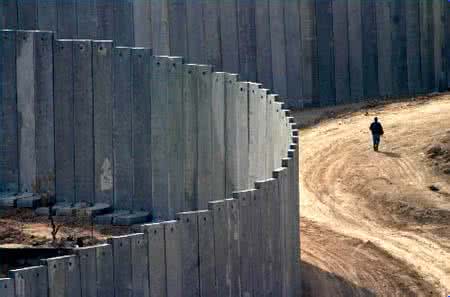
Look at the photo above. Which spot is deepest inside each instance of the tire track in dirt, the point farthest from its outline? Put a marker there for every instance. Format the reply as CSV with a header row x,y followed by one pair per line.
x,y
354,194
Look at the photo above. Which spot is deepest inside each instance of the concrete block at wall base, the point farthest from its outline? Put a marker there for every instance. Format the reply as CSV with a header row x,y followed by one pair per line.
x,y
64,210
131,218
29,202
8,201
94,210
107,219
43,211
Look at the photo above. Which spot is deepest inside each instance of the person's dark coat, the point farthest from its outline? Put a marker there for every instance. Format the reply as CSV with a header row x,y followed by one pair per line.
x,y
376,128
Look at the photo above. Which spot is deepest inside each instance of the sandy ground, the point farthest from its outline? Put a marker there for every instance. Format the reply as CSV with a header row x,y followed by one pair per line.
x,y
371,225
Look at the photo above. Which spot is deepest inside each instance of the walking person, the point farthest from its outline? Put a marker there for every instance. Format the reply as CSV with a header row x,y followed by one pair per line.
x,y
377,132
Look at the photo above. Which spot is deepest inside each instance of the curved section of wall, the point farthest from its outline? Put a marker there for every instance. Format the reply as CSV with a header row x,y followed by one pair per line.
x,y
312,53
119,125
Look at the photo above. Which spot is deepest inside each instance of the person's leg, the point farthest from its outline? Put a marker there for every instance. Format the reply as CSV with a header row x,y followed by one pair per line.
x,y
376,142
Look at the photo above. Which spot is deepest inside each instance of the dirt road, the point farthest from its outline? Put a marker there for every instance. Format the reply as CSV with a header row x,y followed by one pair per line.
x,y
371,226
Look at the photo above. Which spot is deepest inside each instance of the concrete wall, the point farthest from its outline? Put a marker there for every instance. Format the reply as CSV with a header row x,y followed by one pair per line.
x,y
145,132
310,52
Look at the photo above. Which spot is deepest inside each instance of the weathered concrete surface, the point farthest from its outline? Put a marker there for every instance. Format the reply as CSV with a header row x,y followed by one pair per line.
x,y
9,159
30,281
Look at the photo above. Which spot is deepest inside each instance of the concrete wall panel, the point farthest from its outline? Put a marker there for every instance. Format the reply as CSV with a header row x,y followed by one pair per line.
x,y
218,134
174,266
233,265
122,127
206,250
123,22
86,19
141,129
9,159
27,14
123,267
30,281
64,119
231,135
212,41
263,44
176,136
44,114
325,50
142,23
309,49
341,49
195,32
47,15
139,266
105,265
159,125
204,120
399,54
246,243
230,36
413,46
156,258
247,39
7,287
384,46
219,216
189,240
105,19
243,136
426,52
63,276
67,19
160,27
102,80
278,43
177,28
83,121
370,52
8,15
355,50
88,271
190,94
26,106
253,124
293,51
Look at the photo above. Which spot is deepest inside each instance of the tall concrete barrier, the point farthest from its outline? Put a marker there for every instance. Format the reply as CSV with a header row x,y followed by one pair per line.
x,y
83,121
176,136
355,50
300,48
26,101
325,50
384,47
204,133
150,133
102,77
9,159
141,127
8,15
64,133
218,134
7,287
31,281
122,125
63,276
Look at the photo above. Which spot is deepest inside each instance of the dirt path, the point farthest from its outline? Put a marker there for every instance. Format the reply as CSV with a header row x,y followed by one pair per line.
x,y
371,226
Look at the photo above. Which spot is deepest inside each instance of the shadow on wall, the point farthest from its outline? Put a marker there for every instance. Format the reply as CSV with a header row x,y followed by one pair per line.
x,y
318,282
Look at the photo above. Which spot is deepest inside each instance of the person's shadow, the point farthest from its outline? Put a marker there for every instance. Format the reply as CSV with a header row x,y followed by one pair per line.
x,y
390,154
